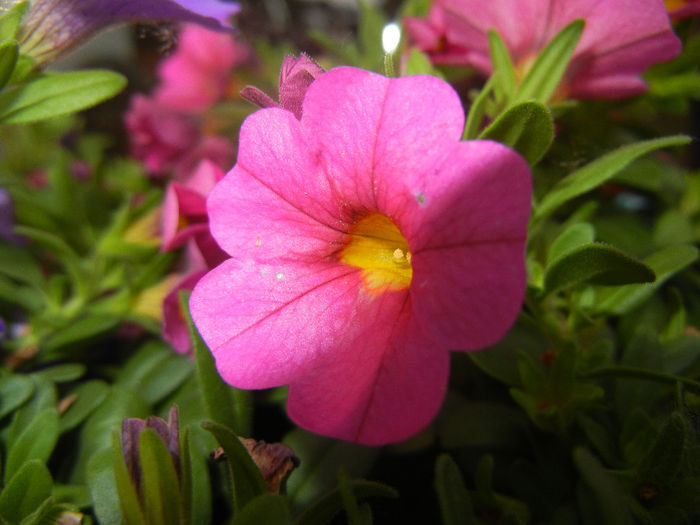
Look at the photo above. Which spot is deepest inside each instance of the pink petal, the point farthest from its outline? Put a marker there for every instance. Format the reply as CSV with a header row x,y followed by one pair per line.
x,y
467,234
175,329
379,385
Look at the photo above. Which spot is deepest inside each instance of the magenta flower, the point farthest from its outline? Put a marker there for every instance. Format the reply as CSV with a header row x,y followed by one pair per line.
x,y
296,76
167,140
52,27
366,240
683,8
198,73
622,38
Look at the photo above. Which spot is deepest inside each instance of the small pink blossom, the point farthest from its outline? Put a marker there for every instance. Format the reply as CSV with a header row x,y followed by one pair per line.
x,y
621,39
296,76
366,241
167,140
197,75
175,329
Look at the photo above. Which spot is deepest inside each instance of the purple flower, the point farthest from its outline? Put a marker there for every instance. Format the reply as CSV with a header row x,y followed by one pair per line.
x,y
54,26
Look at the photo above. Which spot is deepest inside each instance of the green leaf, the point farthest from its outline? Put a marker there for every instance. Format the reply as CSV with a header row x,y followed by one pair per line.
x,y
322,457
166,378
18,264
599,171
369,31
455,504
8,60
543,77
418,63
15,389
88,396
25,491
63,373
54,94
11,18
44,397
502,67
477,111
160,490
526,127
352,510
663,461
570,239
245,475
128,503
607,491
270,509
595,263
664,263
103,488
325,508
37,441
223,404
82,330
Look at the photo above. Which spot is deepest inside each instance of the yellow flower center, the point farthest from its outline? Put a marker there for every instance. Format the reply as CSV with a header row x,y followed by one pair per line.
x,y
379,249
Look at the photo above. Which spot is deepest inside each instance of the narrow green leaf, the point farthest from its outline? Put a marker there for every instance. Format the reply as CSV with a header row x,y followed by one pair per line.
x,y
371,24
18,264
25,491
11,18
663,461
549,67
596,263
63,373
608,493
455,503
186,481
103,488
166,378
220,402
82,330
160,490
87,397
322,510
526,127
54,94
9,54
352,510
664,263
418,63
477,111
15,389
599,171
44,397
502,67
37,441
246,478
571,238
128,504
270,509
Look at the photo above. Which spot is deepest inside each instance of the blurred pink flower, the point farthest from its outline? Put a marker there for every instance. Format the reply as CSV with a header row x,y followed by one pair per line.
x,y
167,140
366,241
52,27
296,76
198,73
682,8
175,329
622,38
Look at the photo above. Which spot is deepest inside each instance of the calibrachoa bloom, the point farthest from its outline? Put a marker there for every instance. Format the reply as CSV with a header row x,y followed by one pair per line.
x,y
52,27
198,73
366,241
622,38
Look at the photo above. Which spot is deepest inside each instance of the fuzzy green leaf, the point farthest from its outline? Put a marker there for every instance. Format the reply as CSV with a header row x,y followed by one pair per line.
x,y
570,239
8,60
477,111
455,503
269,509
54,94
128,502
502,66
15,389
88,396
246,478
63,373
599,171
543,77
102,485
664,263
37,441
160,490
25,491
526,127
11,18
331,503
595,263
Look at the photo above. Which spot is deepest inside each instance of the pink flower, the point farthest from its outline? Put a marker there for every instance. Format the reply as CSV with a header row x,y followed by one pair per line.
x,y
167,140
622,38
296,76
198,73
185,214
175,329
682,8
366,241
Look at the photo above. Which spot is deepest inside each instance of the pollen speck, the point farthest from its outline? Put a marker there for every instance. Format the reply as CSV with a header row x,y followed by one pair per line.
x,y
280,276
258,242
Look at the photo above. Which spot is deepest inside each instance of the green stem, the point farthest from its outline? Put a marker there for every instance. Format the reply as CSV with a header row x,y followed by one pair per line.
x,y
640,373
